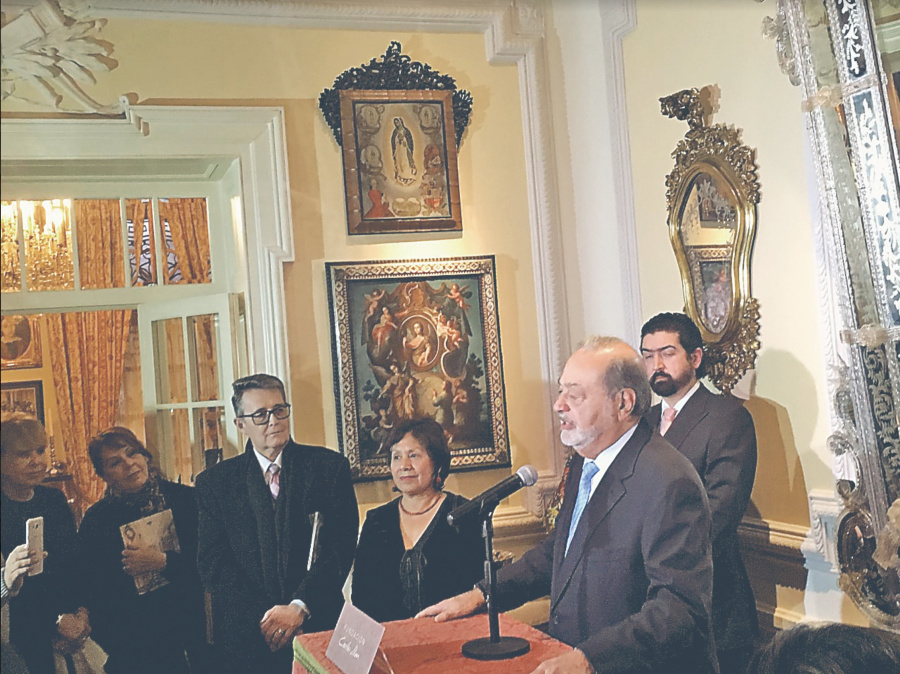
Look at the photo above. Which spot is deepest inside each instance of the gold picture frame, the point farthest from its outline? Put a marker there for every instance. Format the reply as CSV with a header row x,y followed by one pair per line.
x,y
399,154
712,195
418,339
20,342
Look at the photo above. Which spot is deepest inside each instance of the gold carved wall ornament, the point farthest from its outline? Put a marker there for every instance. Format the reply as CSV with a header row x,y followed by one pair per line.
x,y
712,194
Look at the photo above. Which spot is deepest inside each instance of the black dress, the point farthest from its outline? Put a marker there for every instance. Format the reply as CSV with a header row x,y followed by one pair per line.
x,y
392,583
146,633
34,610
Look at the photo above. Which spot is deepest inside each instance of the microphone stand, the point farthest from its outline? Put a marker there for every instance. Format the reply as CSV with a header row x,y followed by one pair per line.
x,y
493,647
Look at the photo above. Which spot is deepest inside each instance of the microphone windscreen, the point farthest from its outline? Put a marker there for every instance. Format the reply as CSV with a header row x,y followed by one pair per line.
x,y
528,475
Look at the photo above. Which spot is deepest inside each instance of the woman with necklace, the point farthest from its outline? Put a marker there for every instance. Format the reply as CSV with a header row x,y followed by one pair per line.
x,y
408,557
149,632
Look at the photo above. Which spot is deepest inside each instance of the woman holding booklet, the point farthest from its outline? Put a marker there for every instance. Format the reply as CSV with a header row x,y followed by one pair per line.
x,y
138,548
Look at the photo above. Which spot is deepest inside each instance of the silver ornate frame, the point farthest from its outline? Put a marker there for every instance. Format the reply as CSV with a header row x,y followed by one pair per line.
x,y
829,50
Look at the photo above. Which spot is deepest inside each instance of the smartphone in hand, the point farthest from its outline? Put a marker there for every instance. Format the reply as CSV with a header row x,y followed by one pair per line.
x,y
34,538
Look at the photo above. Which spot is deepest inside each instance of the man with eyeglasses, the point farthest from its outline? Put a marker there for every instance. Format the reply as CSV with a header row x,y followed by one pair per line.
x,y
256,531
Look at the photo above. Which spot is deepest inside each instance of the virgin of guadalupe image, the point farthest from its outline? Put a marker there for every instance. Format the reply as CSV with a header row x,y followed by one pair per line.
x,y
402,149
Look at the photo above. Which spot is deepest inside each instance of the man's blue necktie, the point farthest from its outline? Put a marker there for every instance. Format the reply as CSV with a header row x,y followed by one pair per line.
x,y
588,470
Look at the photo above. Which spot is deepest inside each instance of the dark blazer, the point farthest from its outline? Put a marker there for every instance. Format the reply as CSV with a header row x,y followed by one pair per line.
x,y
635,589
453,561
149,632
716,433
34,610
253,550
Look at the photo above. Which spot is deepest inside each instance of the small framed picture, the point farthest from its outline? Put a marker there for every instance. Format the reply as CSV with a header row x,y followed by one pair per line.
x,y
415,339
20,342
23,396
399,153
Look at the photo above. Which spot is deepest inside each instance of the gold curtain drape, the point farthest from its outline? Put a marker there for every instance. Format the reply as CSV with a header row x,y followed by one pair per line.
x,y
100,259
189,228
87,356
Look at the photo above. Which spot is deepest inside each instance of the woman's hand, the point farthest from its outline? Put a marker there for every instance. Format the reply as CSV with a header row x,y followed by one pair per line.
x,y
136,561
72,630
17,565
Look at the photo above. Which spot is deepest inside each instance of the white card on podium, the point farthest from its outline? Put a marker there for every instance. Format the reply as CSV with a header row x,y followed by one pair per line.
x,y
355,641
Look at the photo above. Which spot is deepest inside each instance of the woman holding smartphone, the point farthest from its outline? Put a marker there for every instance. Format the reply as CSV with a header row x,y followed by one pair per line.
x,y
44,613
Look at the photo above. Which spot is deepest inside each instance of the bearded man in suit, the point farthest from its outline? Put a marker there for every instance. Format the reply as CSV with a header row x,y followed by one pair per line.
x,y
628,566
716,433
256,534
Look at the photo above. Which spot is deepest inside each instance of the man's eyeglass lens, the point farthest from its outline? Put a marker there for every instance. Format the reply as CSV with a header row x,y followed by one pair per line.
x,y
261,417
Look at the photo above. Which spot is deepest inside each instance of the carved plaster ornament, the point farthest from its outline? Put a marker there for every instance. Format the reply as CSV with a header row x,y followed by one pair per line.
x,y
51,52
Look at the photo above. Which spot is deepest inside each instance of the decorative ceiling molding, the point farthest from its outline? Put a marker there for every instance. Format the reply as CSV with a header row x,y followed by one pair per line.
x,y
51,51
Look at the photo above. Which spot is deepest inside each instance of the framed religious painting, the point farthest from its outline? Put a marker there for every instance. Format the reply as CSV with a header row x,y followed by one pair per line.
x,y
417,339
399,155
20,342
23,396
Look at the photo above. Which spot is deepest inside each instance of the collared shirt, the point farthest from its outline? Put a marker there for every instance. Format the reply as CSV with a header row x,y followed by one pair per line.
x,y
680,404
605,458
264,464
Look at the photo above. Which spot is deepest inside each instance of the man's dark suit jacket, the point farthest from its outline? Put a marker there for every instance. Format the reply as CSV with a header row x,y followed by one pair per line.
x,y
253,550
635,589
716,433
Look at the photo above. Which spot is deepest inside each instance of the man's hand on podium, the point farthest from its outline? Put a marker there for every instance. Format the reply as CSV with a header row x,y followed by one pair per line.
x,y
280,624
573,662
455,607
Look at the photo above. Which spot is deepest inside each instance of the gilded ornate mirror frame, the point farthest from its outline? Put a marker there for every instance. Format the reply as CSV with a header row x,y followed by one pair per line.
x,y
712,194
839,53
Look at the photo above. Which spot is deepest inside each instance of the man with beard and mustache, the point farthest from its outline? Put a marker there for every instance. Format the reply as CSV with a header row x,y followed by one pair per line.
x,y
716,433
628,566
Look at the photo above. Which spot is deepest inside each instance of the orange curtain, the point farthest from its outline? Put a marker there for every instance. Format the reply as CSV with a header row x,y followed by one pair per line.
x,y
189,228
87,356
99,226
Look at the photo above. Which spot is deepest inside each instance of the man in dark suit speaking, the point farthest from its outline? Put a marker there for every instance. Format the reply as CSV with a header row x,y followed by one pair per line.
x,y
628,566
256,530
716,433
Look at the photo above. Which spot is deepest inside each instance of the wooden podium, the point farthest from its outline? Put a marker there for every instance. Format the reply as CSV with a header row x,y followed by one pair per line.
x,y
422,646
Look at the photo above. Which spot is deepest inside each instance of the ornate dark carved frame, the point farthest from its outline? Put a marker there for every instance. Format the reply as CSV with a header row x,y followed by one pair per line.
x,y
396,71
729,354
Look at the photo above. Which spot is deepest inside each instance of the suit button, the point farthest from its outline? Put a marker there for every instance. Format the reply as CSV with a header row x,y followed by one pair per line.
x,y
555,619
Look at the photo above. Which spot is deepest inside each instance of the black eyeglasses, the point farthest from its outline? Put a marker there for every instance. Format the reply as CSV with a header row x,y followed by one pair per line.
x,y
261,417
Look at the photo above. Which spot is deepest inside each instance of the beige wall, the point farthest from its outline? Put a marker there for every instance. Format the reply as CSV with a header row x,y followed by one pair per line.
x,y
684,44
681,44
196,63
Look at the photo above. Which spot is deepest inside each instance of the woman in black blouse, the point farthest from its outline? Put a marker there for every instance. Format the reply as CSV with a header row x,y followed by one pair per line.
x,y
408,557
150,632
44,602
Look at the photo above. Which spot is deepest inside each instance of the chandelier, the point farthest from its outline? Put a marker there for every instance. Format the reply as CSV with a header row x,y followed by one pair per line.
x,y
46,233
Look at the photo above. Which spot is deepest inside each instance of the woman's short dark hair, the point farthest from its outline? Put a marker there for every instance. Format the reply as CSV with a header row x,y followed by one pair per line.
x,y
430,434
117,437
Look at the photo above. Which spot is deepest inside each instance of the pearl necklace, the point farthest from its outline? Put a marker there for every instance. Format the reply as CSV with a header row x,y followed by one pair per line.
x,y
421,512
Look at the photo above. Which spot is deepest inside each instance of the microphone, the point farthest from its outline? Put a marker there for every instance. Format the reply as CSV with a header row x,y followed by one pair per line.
x,y
488,500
